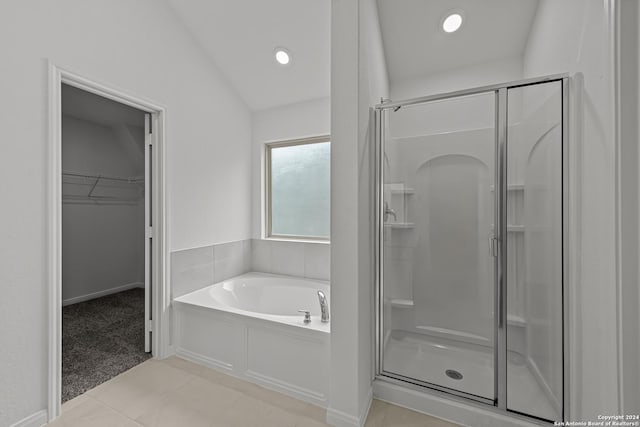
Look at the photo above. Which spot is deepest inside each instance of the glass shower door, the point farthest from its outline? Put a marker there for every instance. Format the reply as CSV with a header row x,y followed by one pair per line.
x,y
535,250
438,166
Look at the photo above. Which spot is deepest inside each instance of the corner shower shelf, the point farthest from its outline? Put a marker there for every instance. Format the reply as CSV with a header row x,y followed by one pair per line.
x,y
401,225
513,228
512,319
402,191
512,187
401,303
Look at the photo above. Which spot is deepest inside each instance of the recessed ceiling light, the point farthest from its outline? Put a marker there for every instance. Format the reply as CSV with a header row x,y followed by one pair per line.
x,y
452,23
282,56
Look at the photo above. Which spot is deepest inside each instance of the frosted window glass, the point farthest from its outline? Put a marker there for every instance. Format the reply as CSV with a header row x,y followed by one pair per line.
x,y
300,190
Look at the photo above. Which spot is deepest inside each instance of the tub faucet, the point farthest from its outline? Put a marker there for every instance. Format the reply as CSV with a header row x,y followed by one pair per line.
x,y
324,307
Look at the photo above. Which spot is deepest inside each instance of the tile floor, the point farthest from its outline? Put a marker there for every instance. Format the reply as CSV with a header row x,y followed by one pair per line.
x,y
173,392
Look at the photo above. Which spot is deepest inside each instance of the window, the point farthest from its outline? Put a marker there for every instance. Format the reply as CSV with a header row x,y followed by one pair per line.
x,y
298,188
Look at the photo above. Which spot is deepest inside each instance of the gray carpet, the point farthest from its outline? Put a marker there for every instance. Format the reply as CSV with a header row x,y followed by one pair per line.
x,y
101,338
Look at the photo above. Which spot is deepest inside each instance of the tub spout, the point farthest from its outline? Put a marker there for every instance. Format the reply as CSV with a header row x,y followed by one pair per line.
x,y
324,307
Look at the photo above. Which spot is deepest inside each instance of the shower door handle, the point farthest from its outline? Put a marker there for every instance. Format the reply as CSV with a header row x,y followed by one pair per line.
x,y
493,246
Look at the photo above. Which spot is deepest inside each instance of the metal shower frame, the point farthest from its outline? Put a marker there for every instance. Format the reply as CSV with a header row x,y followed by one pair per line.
x,y
499,402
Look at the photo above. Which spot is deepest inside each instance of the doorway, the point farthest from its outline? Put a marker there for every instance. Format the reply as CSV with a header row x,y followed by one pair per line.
x,y
105,273
107,229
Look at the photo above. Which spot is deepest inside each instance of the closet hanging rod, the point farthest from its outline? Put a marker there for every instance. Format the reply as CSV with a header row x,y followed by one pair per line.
x,y
111,178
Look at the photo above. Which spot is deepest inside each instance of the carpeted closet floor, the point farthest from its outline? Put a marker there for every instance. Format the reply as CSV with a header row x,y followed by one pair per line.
x,y
101,338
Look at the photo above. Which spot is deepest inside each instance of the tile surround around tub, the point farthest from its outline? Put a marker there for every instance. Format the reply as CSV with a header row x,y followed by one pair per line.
x,y
302,259
231,259
193,269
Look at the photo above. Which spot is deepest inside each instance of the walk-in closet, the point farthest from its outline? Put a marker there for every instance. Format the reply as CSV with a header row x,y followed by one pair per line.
x,y
103,239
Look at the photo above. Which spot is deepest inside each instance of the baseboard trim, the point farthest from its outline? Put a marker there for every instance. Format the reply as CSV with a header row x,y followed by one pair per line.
x,y
34,420
103,293
226,368
253,377
342,419
366,407
288,388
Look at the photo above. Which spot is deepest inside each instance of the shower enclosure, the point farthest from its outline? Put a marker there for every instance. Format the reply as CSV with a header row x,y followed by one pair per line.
x,y
470,223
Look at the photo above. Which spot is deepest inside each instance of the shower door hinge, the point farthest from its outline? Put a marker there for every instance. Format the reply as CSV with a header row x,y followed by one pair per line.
x,y
493,246
149,233
150,325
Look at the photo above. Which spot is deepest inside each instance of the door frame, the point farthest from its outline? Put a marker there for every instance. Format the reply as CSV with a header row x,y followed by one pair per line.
x,y
159,270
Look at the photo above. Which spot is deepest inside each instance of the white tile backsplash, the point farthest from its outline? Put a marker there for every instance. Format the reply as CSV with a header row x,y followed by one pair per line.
x,y
317,261
229,260
287,258
193,269
301,259
261,255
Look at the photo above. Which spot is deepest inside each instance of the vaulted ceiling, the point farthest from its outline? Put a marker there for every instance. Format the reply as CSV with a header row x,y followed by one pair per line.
x,y
240,36
415,44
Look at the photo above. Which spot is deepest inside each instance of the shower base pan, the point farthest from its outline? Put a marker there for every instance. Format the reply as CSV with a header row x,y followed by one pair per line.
x,y
464,367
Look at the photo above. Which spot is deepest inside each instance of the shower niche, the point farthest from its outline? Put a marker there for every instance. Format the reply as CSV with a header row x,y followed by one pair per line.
x,y
470,248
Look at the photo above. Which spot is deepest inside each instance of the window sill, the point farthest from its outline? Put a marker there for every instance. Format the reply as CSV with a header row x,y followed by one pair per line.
x,y
297,240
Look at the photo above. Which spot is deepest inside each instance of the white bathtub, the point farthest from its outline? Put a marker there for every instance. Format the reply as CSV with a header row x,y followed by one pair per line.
x,y
249,326
265,296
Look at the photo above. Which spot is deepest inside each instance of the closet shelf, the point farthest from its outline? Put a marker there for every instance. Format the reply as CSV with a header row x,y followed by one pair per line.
x,y
94,188
130,179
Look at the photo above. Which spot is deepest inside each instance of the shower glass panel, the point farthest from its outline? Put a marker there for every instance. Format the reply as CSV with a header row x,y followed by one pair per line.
x,y
438,167
534,250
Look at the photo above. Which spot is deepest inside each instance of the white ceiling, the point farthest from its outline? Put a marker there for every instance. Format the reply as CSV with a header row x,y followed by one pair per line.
x,y
240,36
415,45
97,109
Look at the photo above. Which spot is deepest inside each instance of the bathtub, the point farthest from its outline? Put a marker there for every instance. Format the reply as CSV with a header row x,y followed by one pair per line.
x,y
249,327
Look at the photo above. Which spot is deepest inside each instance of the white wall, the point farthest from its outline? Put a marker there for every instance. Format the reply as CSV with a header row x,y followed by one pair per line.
x,y
295,121
102,244
492,72
630,186
580,45
359,79
344,382
140,48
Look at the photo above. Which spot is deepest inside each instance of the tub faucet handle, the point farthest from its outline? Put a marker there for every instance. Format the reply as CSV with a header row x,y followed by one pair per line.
x,y
307,315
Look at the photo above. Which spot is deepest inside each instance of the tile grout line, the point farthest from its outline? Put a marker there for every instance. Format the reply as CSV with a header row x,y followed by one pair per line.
x,y
100,402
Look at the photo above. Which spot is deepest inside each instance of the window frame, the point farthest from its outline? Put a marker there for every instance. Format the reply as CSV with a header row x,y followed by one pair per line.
x,y
267,190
